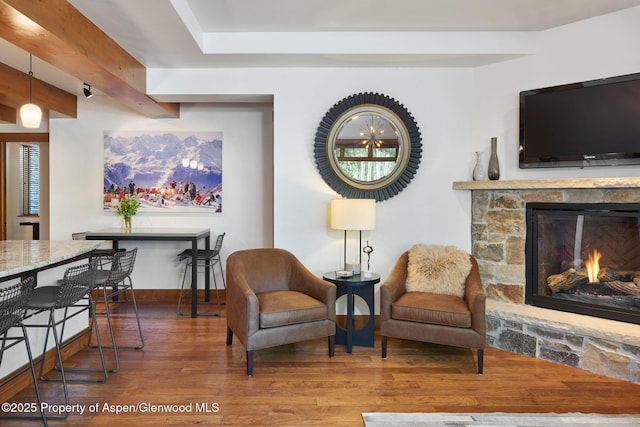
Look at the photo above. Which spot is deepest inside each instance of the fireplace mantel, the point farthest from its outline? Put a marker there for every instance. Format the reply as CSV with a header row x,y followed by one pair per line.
x,y
553,183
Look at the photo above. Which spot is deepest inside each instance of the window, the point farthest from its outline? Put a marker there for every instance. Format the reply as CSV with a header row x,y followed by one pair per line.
x,y
30,165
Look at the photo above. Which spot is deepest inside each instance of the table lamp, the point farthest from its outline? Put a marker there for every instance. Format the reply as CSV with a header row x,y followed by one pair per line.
x,y
352,215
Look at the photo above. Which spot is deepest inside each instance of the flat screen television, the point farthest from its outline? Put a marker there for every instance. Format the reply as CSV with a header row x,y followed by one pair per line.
x,y
592,123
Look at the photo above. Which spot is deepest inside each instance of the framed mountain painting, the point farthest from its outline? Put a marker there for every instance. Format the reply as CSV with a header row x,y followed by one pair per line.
x,y
165,171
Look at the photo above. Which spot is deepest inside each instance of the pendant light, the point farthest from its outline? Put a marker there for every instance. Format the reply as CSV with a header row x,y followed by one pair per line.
x,y
30,113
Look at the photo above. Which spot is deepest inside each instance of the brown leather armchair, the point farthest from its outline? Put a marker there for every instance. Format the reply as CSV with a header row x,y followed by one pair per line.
x,y
272,300
430,317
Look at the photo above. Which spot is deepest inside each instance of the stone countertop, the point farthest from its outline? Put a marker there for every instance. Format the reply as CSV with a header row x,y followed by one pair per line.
x,y
18,256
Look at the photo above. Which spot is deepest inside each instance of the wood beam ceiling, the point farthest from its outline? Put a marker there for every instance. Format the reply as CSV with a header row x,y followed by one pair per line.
x,y
59,34
7,114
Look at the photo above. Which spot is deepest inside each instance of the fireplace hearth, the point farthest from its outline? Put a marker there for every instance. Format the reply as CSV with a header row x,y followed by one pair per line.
x,y
584,258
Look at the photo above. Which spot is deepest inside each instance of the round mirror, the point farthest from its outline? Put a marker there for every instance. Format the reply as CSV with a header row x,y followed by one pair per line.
x,y
368,146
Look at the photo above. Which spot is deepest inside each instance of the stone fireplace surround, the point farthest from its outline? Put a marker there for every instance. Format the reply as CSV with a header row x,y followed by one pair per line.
x,y
498,228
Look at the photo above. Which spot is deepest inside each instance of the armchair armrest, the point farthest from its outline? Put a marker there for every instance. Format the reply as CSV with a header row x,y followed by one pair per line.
x,y
475,297
243,307
394,286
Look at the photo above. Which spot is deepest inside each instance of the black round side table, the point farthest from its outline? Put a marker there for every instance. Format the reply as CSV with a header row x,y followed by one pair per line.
x,y
364,288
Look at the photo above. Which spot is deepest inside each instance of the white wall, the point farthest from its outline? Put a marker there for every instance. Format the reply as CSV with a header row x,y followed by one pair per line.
x,y
592,49
426,211
457,110
76,151
76,185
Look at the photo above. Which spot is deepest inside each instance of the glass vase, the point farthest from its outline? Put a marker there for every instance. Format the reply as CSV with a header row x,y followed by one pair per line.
x,y
127,223
479,170
494,166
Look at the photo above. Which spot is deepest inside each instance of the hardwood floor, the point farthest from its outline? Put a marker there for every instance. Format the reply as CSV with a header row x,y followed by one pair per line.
x,y
186,362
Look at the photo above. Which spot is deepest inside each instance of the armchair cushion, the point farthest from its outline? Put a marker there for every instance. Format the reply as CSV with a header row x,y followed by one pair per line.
x,y
437,269
424,307
280,308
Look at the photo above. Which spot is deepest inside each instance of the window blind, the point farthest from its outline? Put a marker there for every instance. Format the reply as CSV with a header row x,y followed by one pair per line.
x,y
30,164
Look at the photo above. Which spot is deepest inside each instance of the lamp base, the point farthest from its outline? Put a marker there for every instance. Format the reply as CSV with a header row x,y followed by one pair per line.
x,y
344,273
353,267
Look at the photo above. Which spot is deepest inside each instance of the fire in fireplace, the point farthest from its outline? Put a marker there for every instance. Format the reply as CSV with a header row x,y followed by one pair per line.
x,y
584,258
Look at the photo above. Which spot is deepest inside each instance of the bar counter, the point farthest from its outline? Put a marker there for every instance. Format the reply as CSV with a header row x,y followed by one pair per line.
x,y
20,258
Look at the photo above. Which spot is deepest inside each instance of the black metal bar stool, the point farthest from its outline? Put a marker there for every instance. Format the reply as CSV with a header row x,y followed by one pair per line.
x,y
103,255
73,294
113,283
13,310
207,258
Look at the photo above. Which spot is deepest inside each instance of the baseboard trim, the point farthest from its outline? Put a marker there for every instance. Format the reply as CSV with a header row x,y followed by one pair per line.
x,y
16,381
170,296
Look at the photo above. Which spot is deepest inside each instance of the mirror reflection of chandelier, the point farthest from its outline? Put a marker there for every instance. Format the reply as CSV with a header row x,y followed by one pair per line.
x,y
372,133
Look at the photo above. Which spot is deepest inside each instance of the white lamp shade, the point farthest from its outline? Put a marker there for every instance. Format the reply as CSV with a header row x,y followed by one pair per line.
x,y
31,115
193,164
185,162
352,214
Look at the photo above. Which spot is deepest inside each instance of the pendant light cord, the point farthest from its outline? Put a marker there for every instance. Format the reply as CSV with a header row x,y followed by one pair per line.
x,y
30,78
30,113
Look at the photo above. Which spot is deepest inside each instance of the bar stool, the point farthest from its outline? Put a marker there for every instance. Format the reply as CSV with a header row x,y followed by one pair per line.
x,y
73,293
104,256
206,258
13,310
113,283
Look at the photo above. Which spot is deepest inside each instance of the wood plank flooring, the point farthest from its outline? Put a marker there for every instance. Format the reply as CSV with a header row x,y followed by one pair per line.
x,y
186,362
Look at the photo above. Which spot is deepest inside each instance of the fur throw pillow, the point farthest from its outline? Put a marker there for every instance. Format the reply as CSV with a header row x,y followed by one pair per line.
x,y
437,269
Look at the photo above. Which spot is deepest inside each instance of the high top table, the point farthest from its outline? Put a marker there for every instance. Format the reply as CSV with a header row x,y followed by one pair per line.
x,y
24,258
193,235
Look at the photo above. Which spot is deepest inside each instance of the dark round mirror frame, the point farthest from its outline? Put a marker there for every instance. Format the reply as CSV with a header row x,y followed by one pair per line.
x,y
384,188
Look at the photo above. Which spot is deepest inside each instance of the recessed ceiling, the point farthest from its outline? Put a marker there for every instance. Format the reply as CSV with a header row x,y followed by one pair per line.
x,y
314,33
318,33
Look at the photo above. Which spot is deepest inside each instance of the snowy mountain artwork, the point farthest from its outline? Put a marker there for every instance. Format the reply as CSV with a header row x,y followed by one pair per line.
x,y
176,171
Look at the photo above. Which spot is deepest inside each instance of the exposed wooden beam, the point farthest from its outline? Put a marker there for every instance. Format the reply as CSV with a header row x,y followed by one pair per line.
x,y
7,114
14,92
25,137
59,34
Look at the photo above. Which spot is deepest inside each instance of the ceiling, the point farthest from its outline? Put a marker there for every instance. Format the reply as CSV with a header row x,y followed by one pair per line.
x,y
232,33
294,33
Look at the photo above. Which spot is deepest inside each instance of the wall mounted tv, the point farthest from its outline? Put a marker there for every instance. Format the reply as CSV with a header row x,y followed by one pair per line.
x,y
592,123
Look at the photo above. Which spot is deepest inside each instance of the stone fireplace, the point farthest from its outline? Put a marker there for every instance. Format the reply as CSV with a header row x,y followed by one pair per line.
x,y
581,339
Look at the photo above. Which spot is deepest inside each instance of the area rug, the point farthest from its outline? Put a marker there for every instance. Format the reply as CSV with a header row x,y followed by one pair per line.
x,y
398,419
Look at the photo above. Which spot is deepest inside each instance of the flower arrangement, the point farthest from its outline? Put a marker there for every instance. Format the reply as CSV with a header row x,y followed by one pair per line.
x,y
127,208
